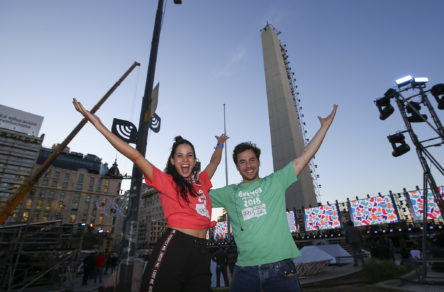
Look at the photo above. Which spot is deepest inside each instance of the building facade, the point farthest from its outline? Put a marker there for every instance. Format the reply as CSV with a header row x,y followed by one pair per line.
x,y
18,155
19,149
152,223
287,139
76,190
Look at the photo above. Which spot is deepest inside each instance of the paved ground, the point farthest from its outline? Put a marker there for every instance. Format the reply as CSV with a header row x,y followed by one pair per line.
x,y
333,278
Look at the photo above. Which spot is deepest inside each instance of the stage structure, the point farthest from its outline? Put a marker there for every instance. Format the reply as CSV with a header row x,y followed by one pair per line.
x,y
410,110
286,125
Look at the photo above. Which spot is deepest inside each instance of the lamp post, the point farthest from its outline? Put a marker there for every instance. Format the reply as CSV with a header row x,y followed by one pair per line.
x,y
128,250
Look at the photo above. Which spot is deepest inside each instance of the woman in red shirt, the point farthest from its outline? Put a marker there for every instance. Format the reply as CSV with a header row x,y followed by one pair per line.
x,y
180,261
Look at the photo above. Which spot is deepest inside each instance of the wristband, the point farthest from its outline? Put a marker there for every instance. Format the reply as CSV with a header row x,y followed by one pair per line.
x,y
219,145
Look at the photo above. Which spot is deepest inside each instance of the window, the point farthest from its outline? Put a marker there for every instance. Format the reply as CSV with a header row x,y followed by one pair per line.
x,y
66,176
54,183
48,206
79,187
45,182
76,197
86,206
72,218
75,206
42,193
28,204
57,174
91,180
25,216
90,188
65,185
62,196
101,219
51,195
88,198
80,178
39,204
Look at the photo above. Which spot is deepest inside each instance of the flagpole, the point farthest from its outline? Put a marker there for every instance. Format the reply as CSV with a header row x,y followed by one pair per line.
x,y
226,177
226,165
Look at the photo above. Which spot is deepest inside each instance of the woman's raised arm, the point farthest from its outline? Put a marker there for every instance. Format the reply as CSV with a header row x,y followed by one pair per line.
x,y
142,163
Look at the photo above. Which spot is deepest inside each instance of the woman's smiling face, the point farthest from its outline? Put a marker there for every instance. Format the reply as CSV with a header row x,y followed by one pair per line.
x,y
184,160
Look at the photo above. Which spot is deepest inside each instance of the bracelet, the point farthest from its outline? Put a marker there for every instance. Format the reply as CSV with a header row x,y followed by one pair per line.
x,y
220,145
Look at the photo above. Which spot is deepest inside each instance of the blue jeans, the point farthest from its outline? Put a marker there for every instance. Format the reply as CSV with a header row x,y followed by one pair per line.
x,y
275,277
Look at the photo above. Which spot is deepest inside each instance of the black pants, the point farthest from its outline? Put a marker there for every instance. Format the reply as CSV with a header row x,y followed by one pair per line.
x,y
179,262
221,269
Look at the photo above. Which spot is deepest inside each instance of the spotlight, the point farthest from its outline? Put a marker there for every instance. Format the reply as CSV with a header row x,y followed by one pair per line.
x,y
413,108
404,81
402,148
384,107
438,92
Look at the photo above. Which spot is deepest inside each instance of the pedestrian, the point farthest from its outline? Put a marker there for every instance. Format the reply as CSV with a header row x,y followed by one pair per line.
x,y
231,259
180,261
353,238
89,265
220,258
256,208
100,267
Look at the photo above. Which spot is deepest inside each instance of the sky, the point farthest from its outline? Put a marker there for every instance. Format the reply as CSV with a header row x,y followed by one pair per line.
x,y
341,52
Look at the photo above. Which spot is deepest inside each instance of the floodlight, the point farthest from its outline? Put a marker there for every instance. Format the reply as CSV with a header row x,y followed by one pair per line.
x,y
398,138
438,92
413,108
419,81
404,81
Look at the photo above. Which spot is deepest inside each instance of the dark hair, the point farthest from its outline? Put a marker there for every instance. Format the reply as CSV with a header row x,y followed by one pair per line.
x,y
246,146
183,186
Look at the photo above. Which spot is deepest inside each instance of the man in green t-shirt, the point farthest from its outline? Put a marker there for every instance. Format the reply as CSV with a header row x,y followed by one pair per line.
x,y
256,208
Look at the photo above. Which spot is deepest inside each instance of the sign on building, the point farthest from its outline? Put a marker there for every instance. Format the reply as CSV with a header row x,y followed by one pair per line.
x,y
20,121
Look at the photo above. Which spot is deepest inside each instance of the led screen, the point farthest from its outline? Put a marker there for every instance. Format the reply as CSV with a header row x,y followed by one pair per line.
x,y
291,221
373,211
417,205
322,217
221,230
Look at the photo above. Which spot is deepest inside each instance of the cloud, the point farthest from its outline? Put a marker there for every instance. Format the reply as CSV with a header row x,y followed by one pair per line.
x,y
233,63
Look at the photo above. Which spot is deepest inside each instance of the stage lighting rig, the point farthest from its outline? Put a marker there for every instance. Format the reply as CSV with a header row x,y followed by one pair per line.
x,y
408,106
438,92
400,149
404,81
413,108
383,104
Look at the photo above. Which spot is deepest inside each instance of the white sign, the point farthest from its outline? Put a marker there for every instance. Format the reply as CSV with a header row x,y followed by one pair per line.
x,y
20,121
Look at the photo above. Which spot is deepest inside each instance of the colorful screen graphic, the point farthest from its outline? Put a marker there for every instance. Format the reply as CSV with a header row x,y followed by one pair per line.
x,y
221,230
291,221
373,211
322,217
417,204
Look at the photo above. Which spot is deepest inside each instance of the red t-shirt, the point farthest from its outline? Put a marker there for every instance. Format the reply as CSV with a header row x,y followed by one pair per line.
x,y
100,261
177,212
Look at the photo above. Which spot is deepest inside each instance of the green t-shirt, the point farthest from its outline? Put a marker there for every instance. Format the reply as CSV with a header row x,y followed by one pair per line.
x,y
257,215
